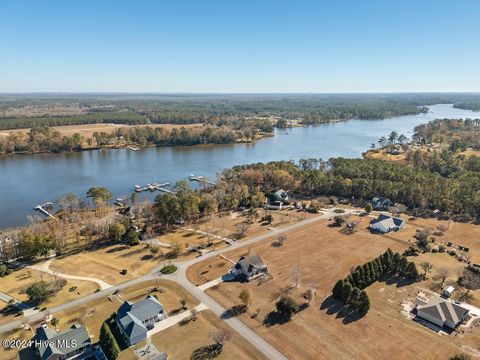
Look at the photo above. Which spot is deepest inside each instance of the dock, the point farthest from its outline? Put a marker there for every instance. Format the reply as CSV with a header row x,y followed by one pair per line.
x,y
200,179
152,187
42,209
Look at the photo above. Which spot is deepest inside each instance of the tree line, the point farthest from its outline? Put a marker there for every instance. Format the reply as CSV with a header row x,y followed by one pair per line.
x,y
351,289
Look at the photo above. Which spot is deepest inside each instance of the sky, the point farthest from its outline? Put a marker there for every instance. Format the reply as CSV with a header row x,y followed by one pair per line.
x,y
239,46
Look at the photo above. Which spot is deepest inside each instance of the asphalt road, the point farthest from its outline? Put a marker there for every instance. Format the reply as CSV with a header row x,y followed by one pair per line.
x,y
180,277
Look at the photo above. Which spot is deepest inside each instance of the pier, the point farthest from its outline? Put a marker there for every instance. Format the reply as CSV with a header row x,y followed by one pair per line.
x,y
200,179
153,187
42,209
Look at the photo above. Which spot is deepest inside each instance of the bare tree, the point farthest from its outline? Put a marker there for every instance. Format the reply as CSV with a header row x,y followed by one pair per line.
x,y
310,294
220,336
470,280
426,266
242,229
443,275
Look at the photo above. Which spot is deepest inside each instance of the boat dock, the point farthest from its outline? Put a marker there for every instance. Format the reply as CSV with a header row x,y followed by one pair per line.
x,y
42,209
200,179
152,187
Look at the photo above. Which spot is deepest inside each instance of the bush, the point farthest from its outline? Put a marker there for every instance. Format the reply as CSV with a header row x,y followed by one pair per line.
x,y
287,306
169,269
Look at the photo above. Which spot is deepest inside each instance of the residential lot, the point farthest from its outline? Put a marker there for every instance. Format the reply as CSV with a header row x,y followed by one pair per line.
x,y
196,334
317,256
93,314
107,263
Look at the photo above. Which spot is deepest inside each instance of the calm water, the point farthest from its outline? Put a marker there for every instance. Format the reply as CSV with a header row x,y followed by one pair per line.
x,y
28,180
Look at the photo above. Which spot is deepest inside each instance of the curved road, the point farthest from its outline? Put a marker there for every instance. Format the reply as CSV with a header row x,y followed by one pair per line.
x,y
180,277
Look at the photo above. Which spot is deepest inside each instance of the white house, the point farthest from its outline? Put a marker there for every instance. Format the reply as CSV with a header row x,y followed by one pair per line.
x,y
442,312
386,223
249,268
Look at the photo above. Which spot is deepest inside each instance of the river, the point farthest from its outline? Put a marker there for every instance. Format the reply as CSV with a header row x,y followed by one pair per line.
x,y
28,180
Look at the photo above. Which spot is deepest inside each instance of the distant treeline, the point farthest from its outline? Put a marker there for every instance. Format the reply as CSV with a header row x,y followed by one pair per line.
x,y
219,110
124,117
44,139
474,106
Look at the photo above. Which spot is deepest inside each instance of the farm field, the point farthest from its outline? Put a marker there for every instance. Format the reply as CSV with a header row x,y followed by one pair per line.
x,y
319,255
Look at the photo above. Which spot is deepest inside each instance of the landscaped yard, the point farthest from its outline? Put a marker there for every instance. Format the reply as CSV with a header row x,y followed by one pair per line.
x,y
319,255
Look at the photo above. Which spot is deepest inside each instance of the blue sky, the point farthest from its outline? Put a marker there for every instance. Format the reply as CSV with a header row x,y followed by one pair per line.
x,y
239,46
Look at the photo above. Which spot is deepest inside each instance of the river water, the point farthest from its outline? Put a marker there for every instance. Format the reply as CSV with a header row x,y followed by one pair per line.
x,y
28,180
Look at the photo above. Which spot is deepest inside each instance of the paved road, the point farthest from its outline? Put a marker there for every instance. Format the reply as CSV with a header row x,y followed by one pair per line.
x,y
180,277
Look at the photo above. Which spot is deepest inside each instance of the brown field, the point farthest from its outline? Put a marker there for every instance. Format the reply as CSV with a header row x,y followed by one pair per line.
x,y
323,255
197,334
107,263
226,224
16,283
87,130
383,155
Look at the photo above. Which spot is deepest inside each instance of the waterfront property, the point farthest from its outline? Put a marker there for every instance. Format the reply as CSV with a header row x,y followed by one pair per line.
x,y
249,268
386,223
442,312
135,319
51,345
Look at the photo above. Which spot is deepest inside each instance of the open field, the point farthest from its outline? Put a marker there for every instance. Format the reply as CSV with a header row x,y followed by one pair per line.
x,y
321,255
87,130
17,282
107,262
226,225
197,334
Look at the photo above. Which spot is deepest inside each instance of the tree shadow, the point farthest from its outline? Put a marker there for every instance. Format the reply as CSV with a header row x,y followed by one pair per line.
x,y
275,318
335,307
207,352
234,311
396,280
147,257
117,249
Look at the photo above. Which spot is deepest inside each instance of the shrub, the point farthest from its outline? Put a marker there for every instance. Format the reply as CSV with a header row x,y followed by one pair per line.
x,y
287,306
169,269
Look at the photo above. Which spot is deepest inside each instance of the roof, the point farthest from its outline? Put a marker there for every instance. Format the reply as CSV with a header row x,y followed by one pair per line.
x,y
450,289
388,221
132,315
252,261
444,310
62,343
141,310
132,326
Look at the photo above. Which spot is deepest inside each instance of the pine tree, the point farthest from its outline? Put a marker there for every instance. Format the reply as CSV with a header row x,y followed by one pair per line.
x,y
354,296
411,271
337,290
346,292
363,303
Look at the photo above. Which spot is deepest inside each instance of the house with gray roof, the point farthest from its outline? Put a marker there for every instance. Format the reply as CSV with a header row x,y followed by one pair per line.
x,y
249,268
52,345
382,203
442,312
386,223
135,319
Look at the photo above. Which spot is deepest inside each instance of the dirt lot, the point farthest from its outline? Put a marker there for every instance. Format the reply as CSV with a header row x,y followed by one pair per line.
x,y
107,263
321,255
197,334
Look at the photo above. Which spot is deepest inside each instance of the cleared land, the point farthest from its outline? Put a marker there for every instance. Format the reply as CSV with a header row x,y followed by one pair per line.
x,y
321,255
107,262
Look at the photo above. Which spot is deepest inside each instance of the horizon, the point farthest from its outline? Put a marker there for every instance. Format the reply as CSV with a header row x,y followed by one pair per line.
x,y
239,48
